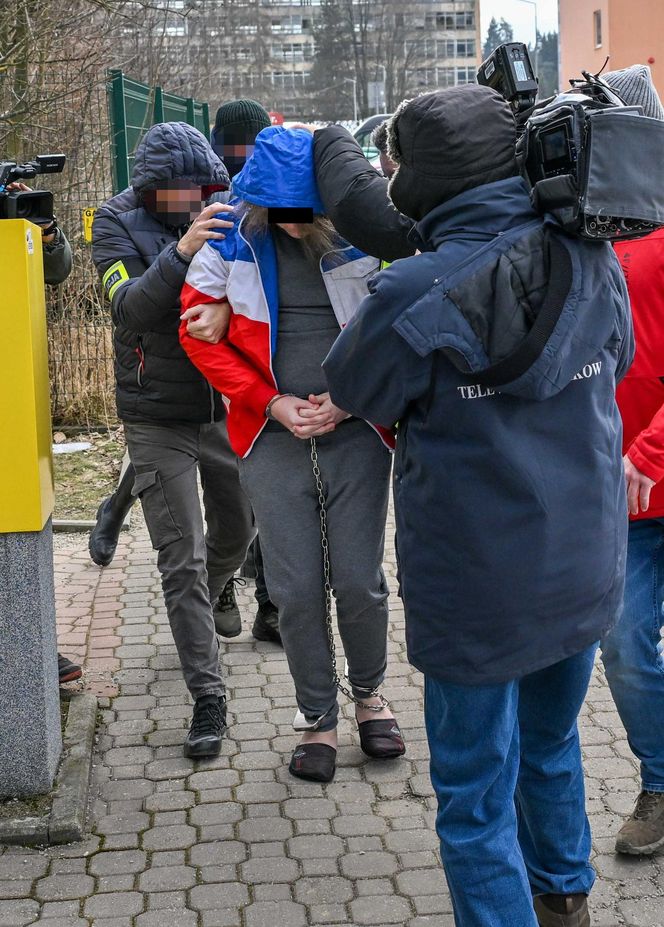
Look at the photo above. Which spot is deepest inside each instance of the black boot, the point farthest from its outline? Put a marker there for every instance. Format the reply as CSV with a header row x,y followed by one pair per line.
x,y
110,515
208,726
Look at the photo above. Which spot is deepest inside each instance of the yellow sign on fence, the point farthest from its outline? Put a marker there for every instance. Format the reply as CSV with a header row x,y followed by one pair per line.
x,y
88,216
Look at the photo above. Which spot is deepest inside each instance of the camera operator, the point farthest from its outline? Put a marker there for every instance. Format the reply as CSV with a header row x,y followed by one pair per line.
x,y
57,267
55,247
498,353
632,651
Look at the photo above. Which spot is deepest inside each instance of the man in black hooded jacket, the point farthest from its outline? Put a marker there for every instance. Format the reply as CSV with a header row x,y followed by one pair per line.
x,y
143,241
497,350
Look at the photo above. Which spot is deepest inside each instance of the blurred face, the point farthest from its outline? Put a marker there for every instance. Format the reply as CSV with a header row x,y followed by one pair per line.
x,y
295,229
234,146
177,202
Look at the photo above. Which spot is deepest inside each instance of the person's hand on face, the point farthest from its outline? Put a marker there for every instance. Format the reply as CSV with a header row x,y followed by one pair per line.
x,y
205,227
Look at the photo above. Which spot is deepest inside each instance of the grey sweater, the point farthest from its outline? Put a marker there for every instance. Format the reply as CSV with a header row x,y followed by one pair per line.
x,y
307,325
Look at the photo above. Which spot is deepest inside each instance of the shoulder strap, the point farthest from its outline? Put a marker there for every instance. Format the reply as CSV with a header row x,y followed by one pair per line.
x,y
523,358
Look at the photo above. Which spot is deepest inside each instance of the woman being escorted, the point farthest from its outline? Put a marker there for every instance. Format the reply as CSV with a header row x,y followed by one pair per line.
x,y
291,284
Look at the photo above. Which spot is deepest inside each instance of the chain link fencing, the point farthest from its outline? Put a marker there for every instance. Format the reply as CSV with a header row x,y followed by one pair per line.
x,y
97,125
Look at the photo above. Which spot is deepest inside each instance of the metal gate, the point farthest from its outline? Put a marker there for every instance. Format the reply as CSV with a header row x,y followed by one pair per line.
x,y
133,108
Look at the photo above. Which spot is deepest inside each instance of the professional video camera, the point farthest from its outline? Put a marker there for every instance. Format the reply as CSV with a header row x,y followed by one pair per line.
x,y
35,206
591,161
508,70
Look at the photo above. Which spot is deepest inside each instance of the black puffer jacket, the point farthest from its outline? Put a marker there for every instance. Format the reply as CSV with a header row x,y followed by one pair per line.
x,y
355,197
143,275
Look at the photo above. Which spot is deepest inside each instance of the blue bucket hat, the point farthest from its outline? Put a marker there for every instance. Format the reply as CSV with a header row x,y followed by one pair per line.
x,y
280,172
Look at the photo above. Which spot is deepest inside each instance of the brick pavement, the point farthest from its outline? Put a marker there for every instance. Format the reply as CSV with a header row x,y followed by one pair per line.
x,y
237,842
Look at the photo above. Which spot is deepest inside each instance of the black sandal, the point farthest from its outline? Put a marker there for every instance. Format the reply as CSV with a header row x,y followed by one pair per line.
x,y
316,762
381,738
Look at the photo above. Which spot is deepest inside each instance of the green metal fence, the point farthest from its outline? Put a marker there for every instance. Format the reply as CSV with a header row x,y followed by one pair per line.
x,y
133,108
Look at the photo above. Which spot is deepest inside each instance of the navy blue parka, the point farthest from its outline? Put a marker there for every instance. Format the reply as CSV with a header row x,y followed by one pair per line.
x,y
498,351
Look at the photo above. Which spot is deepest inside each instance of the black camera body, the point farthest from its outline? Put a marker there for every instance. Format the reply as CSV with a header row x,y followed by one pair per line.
x,y
596,165
592,162
35,206
509,70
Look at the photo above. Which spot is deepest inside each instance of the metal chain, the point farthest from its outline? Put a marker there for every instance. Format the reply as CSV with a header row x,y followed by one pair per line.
x,y
327,585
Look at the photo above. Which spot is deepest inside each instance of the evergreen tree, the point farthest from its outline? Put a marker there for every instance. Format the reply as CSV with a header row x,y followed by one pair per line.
x,y
547,64
497,34
331,95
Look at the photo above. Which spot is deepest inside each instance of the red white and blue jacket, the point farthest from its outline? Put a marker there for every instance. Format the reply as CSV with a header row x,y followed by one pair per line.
x,y
240,366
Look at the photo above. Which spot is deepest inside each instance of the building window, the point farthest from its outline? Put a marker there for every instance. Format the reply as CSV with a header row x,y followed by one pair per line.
x,y
466,75
457,48
597,28
446,77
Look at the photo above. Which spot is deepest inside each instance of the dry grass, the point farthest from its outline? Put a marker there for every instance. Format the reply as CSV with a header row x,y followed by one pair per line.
x,y
84,478
81,349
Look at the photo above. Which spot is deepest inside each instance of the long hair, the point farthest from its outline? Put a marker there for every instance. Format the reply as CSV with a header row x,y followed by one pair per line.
x,y
319,237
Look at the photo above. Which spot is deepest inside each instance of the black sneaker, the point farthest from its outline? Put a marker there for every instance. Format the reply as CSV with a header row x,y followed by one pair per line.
x,y
266,625
227,620
67,670
208,726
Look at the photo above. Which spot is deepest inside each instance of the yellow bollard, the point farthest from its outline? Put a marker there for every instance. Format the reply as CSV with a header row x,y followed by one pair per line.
x,y
26,468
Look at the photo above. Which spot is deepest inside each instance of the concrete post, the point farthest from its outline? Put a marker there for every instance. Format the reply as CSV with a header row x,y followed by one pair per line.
x,y
30,735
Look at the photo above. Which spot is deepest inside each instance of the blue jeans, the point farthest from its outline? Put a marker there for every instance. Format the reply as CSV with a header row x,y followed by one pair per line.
x,y
632,651
506,768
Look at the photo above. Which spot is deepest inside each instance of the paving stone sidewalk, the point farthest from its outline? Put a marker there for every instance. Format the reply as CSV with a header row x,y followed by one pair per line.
x,y
237,842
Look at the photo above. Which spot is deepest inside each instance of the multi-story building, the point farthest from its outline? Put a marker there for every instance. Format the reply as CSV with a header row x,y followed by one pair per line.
x,y
625,31
360,55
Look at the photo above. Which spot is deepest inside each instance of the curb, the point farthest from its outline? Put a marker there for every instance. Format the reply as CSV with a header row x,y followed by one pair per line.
x,y
66,821
67,818
73,525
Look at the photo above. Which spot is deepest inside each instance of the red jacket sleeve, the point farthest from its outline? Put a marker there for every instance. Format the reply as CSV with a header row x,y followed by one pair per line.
x,y
226,368
647,450
228,371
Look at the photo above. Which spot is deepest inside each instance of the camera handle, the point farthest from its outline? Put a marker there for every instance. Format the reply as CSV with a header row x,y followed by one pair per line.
x,y
328,589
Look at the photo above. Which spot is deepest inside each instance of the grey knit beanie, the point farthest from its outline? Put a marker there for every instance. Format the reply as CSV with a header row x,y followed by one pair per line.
x,y
634,86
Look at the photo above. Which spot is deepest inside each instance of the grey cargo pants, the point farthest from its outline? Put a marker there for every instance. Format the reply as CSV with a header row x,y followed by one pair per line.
x,y
194,566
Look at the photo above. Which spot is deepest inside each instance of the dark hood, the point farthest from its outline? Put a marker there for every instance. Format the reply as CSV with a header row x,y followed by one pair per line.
x,y
447,142
176,151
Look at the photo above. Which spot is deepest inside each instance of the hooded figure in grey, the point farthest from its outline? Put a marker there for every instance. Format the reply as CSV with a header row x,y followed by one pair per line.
x,y
174,421
155,379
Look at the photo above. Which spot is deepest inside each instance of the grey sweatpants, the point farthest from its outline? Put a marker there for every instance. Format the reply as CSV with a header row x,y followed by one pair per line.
x,y
166,459
277,476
